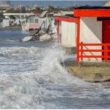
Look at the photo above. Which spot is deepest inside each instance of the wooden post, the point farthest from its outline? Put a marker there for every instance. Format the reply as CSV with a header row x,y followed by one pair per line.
x,y
58,36
105,53
78,40
81,51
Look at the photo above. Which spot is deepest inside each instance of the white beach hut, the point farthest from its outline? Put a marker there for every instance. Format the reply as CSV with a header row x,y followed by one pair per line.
x,y
66,31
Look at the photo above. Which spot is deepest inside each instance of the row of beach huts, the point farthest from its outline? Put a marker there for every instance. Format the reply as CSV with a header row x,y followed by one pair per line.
x,y
29,21
85,30
88,31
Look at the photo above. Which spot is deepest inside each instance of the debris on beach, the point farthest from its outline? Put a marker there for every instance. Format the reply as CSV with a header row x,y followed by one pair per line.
x,y
27,38
45,37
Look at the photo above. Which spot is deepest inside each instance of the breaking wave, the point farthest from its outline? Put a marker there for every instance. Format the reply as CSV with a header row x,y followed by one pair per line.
x,y
32,77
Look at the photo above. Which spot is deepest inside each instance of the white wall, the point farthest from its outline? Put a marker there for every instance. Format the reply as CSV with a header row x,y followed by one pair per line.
x,y
91,32
68,34
5,23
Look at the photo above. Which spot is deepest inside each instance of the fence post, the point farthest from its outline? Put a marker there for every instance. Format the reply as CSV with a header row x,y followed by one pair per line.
x,y
81,51
58,36
106,53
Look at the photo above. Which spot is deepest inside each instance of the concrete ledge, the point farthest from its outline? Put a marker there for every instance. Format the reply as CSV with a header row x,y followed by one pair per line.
x,y
92,72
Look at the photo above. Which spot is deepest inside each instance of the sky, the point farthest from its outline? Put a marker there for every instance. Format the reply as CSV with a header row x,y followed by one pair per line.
x,y
58,3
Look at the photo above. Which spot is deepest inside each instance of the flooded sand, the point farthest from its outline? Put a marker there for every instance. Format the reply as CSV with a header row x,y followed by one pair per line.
x,y
31,77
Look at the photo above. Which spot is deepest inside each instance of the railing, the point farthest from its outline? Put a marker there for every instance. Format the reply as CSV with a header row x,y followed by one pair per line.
x,y
104,50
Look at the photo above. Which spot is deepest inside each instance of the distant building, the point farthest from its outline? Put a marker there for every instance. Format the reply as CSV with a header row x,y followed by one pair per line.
x,y
107,3
4,4
6,22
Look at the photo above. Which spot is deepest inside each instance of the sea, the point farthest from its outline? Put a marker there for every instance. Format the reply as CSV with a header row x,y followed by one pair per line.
x,y
31,77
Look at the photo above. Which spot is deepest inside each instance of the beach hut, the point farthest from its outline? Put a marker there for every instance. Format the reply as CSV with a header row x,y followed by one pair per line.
x,y
88,31
92,41
93,34
31,23
66,31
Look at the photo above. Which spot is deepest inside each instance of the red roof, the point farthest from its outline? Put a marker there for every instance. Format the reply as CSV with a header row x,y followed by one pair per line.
x,y
92,12
66,19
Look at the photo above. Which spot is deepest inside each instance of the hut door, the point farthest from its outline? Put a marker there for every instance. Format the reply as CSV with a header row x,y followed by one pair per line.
x,y
106,32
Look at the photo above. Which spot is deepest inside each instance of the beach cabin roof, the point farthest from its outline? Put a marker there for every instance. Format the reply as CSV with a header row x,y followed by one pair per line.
x,y
92,12
68,19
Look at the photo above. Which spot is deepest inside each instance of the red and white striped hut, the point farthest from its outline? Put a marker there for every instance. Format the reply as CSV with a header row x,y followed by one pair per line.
x,y
91,34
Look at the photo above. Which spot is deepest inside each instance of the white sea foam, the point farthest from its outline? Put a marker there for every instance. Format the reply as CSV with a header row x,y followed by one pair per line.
x,y
32,77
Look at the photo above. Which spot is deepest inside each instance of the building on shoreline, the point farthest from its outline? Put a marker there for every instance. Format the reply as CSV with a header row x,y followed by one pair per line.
x,y
4,5
92,33
66,31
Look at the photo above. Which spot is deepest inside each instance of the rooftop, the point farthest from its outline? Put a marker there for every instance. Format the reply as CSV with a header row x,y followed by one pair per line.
x,y
93,7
